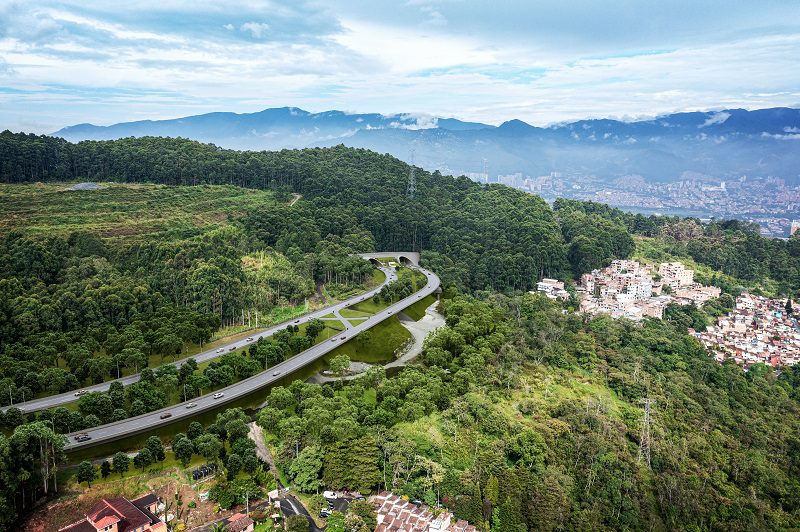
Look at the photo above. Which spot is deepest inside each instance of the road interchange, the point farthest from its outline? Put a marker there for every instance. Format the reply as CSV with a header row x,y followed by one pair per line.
x,y
181,411
53,401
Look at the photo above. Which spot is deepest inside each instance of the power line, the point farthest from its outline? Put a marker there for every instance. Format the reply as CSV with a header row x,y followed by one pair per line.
x,y
644,438
411,189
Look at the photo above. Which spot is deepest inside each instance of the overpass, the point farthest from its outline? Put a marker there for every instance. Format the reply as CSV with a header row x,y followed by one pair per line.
x,y
182,411
407,258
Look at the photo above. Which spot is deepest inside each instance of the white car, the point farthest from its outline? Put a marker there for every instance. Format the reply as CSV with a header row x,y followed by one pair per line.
x,y
81,392
191,405
220,350
276,373
249,338
218,395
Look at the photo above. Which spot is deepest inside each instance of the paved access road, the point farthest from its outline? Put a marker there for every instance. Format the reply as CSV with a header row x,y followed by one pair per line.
x,y
145,422
53,401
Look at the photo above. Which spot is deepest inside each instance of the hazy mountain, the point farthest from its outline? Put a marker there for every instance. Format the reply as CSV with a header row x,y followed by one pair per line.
x,y
284,127
721,144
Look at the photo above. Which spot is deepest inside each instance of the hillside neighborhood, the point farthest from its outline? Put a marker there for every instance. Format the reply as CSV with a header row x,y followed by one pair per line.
x,y
628,289
758,329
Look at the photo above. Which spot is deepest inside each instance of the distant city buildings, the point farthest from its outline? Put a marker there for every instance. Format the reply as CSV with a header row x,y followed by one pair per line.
x,y
758,329
626,289
765,200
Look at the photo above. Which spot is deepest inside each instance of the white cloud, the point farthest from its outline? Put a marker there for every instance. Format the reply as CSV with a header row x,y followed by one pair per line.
x,y
792,136
716,118
257,29
378,65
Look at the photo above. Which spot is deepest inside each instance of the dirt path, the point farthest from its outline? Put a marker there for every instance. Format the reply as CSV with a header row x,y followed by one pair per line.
x,y
262,450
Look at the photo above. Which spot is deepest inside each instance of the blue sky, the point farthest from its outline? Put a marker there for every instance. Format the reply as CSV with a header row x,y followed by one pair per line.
x,y
68,62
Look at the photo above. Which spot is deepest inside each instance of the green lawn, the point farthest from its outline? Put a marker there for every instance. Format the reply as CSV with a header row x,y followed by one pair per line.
x,y
417,311
350,313
375,345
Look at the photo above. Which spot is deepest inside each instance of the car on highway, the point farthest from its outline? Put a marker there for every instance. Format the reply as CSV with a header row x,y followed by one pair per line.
x,y
233,348
220,350
82,437
191,405
344,337
166,415
218,395
276,373
333,339
249,338
297,321
81,392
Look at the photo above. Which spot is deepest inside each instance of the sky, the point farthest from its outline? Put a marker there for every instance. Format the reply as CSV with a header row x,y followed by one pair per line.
x,y
544,62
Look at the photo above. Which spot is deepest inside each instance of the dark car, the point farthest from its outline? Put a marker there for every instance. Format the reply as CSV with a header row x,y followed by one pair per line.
x,y
166,415
83,437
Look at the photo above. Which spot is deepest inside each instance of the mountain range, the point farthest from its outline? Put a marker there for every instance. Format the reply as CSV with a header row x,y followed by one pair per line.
x,y
710,145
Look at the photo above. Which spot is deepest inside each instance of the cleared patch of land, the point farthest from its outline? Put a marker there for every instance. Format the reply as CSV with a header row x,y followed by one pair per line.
x,y
136,211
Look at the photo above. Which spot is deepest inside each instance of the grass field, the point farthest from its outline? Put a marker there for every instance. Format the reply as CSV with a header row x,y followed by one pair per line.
x,y
417,311
375,345
124,210
350,313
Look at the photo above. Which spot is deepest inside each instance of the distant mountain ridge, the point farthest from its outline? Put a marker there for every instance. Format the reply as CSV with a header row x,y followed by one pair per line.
x,y
717,144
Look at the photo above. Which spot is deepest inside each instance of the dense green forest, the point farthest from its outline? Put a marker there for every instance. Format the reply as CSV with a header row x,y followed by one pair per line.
x,y
518,416
536,425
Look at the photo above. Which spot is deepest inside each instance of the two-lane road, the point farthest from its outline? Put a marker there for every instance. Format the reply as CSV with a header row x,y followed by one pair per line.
x,y
53,401
149,421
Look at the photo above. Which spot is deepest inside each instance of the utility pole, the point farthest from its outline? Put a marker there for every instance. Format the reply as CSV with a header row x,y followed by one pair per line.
x,y
411,189
644,438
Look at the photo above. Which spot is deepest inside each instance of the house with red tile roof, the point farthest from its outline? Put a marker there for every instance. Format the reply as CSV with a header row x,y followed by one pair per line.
x,y
238,523
118,514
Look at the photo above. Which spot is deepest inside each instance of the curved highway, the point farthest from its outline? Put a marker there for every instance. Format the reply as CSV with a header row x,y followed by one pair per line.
x,y
52,401
145,422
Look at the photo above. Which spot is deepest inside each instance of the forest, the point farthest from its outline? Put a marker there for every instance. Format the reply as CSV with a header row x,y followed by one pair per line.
x,y
518,416
536,425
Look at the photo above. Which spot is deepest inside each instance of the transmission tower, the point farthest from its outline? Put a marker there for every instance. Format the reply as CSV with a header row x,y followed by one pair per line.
x,y
644,438
411,189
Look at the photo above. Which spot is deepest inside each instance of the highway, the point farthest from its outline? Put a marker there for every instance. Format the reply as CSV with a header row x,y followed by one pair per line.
x,y
145,422
53,401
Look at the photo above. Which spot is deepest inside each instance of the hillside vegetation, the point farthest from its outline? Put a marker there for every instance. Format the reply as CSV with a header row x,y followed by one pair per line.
x,y
125,210
536,425
518,417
